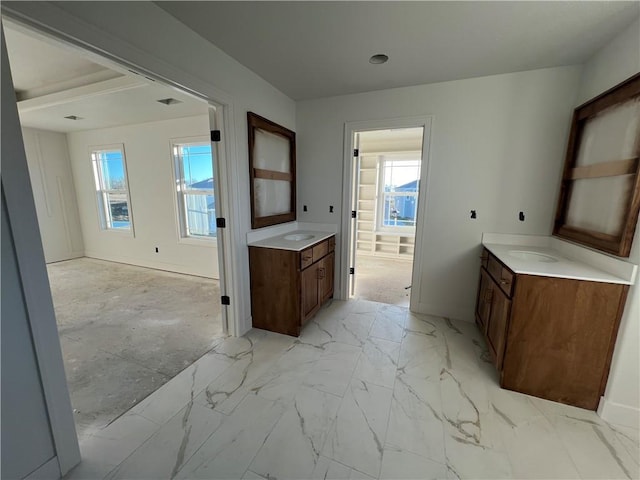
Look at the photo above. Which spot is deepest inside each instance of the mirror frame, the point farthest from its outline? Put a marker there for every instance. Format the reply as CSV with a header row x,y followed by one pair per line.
x,y
255,122
619,245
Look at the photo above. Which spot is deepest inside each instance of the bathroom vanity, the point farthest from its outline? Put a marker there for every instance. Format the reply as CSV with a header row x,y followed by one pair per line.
x,y
291,278
549,312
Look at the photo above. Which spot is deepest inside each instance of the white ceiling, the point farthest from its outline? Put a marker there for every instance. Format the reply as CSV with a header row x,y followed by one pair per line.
x,y
318,49
395,140
54,81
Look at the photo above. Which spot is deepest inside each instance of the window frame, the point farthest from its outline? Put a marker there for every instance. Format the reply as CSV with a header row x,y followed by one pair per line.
x,y
616,244
380,193
257,123
180,191
105,219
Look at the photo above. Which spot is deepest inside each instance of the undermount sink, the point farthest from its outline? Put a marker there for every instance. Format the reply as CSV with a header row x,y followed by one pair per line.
x,y
297,237
532,256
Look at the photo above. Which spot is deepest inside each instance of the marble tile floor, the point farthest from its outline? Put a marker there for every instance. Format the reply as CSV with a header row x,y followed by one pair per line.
x,y
368,391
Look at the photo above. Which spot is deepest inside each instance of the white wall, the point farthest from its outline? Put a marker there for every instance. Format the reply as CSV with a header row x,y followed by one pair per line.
x,y
616,62
144,35
149,161
41,443
23,449
497,147
54,194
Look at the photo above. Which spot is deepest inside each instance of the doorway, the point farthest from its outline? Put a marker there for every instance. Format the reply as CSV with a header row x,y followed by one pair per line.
x,y
160,309
387,178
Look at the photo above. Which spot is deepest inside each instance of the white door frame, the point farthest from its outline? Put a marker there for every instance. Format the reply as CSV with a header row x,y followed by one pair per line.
x,y
223,117
30,256
350,128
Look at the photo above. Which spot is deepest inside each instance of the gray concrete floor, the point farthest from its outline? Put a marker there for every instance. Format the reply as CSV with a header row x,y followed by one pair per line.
x,y
383,280
126,330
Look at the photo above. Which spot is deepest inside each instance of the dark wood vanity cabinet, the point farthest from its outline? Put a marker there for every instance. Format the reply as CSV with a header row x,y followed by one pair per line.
x,y
549,337
289,287
493,306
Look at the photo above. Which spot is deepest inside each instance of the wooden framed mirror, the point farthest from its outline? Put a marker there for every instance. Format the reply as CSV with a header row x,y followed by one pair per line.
x,y
272,167
600,192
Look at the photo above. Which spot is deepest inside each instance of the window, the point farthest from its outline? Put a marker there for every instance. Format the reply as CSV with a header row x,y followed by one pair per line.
x,y
193,163
398,186
110,174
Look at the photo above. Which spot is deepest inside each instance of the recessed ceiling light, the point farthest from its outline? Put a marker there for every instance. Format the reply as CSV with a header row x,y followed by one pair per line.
x,y
378,59
73,117
169,101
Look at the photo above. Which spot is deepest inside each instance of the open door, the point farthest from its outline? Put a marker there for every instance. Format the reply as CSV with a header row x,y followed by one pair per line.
x,y
220,206
353,239
387,178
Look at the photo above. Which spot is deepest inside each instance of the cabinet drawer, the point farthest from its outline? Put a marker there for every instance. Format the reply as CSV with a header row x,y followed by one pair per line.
x,y
502,275
320,250
506,281
306,258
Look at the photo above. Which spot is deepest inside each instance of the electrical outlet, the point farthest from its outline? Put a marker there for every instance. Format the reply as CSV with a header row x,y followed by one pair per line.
x,y
330,208
157,250
304,208
473,214
521,216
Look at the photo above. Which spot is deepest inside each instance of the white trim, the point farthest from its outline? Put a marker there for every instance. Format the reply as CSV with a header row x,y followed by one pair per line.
x,y
103,210
33,274
619,414
347,194
194,240
378,217
226,197
26,15
178,175
42,173
48,470
105,87
155,265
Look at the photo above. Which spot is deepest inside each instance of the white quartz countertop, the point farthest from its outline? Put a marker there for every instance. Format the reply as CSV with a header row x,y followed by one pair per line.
x,y
553,259
295,241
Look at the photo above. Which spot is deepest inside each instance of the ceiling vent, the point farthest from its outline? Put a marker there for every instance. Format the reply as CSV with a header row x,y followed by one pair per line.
x,y
169,101
73,117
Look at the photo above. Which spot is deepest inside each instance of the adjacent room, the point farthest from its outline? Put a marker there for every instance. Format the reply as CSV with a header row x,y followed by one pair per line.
x,y
122,178
372,240
387,182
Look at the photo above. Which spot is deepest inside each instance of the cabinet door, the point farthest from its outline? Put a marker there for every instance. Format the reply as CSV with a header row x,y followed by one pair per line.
x,y
483,305
325,283
310,290
497,326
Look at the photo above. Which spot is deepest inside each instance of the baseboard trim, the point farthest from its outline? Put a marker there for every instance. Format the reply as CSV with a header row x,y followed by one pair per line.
x,y
165,267
619,414
50,470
